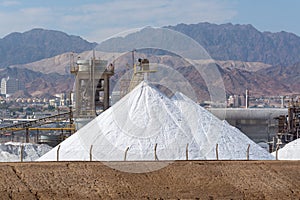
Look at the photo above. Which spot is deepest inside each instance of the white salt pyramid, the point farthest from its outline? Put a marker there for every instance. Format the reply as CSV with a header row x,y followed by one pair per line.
x,y
144,120
290,151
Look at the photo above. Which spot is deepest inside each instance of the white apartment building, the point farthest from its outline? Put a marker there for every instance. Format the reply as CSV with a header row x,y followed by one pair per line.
x,y
9,86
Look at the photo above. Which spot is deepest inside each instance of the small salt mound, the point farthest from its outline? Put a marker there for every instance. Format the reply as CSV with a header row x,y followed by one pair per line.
x,y
290,151
145,120
11,151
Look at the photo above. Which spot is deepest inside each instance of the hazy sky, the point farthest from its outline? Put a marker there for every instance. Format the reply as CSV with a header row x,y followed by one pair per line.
x,y
95,20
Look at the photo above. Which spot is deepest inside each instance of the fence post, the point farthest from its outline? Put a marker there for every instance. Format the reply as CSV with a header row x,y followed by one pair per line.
x,y
155,155
27,135
248,150
217,151
57,153
22,152
37,135
187,151
91,153
277,148
125,155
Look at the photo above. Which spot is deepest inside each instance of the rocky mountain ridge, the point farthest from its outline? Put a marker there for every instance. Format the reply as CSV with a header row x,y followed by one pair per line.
x,y
37,44
261,79
38,84
244,43
42,58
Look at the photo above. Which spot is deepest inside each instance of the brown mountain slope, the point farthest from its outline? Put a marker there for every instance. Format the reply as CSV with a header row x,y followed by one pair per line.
x,y
38,84
289,75
237,81
259,78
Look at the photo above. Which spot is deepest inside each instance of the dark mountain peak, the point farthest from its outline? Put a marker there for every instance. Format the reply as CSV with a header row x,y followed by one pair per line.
x,y
37,44
39,30
40,33
12,35
208,25
244,42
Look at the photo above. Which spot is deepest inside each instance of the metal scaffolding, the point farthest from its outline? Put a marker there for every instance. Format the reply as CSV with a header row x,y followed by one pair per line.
x,y
289,125
91,87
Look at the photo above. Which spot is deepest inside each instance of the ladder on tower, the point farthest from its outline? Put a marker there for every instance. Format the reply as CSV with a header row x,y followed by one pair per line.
x,y
141,71
136,79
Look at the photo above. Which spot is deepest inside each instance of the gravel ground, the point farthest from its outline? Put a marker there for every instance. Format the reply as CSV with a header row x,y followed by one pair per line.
x,y
178,180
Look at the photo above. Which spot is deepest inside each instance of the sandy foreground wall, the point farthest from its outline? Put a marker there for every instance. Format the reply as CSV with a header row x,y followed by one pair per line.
x,y
181,179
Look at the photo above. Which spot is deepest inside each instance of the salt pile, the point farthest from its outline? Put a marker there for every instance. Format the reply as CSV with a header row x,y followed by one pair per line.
x,y
208,131
290,151
11,151
145,120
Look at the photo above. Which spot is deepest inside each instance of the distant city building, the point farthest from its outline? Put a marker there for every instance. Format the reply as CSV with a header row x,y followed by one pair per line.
x,y
236,101
62,99
242,101
10,85
230,101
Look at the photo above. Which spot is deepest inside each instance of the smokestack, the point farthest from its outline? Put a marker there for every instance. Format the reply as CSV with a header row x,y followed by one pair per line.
x,y
282,101
247,99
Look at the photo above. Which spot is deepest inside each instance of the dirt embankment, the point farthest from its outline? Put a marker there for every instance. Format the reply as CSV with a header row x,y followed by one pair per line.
x,y
181,179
